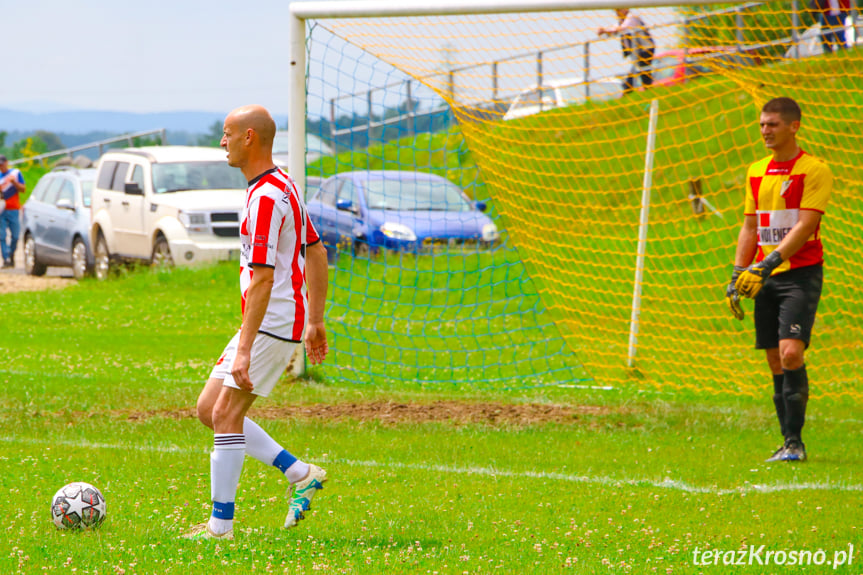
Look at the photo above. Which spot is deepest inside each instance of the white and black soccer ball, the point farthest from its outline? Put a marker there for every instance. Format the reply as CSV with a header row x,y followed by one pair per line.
x,y
78,506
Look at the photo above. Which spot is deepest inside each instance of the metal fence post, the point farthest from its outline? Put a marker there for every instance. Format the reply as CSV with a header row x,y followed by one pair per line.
x,y
494,85
586,69
795,25
738,29
539,78
411,116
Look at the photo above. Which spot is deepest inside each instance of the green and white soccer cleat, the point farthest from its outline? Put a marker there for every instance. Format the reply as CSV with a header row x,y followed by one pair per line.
x,y
202,531
303,493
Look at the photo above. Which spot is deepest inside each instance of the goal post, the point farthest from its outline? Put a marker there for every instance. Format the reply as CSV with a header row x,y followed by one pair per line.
x,y
521,105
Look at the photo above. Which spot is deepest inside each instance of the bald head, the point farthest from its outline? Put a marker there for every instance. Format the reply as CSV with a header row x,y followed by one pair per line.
x,y
248,138
255,118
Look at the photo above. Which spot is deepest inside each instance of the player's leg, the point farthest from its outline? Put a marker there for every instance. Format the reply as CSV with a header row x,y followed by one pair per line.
x,y
229,451
270,357
766,316
258,443
799,294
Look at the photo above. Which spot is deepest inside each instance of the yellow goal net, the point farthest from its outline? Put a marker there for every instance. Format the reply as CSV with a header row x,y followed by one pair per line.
x,y
626,227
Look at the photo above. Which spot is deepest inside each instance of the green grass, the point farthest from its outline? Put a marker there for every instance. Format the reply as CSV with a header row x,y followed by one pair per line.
x,y
635,483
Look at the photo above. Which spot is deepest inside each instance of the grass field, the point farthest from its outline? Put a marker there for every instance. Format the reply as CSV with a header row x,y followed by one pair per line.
x,y
98,384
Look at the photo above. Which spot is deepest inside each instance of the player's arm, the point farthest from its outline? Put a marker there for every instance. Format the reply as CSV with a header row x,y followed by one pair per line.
x,y
257,299
806,225
317,278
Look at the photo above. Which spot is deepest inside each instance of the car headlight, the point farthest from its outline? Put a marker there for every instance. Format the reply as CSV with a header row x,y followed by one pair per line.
x,y
193,221
397,231
489,232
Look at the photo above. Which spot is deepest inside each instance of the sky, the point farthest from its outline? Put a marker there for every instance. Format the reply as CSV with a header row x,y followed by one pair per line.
x,y
158,55
173,55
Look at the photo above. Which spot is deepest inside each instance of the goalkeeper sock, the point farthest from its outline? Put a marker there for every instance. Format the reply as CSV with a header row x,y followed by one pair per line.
x,y
796,393
779,400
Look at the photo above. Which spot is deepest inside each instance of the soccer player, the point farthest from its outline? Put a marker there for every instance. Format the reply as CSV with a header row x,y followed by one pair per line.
x,y
280,256
786,195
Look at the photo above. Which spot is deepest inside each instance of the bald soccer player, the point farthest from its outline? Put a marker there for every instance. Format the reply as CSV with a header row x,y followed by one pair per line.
x,y
283,284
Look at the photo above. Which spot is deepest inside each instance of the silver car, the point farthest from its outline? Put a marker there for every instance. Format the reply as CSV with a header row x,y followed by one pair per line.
x,y
55,222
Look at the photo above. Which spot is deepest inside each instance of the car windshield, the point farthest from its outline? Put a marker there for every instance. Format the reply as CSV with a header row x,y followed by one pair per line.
x,y
435,195
86,190
184,176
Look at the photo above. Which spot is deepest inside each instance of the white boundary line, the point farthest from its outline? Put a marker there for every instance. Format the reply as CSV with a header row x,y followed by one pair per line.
x,y
666,483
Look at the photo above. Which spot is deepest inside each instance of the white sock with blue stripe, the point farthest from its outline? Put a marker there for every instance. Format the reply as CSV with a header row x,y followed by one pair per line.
x,y
226,465
265,449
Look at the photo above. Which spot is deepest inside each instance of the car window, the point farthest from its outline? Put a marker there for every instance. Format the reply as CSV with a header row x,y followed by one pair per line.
x,y
53,190
67,191
106,175
119,181
349,192
86,192
312,186
138,176
186,176
39,191
328,192
414,194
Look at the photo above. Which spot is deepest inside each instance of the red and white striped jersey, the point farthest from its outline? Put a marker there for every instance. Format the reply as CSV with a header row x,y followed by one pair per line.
x,y
274,231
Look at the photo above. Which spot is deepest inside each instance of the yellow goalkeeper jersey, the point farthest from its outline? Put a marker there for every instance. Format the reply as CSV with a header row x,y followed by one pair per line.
x,y
775,194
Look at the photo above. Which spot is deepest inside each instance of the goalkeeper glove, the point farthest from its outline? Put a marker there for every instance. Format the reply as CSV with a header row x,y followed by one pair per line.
x,y
731,295
750,281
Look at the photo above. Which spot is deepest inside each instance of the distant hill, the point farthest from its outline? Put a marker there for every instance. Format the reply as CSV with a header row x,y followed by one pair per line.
x,y
85,121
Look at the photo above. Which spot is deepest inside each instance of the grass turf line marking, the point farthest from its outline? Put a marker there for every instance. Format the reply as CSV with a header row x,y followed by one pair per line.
x,y
667,483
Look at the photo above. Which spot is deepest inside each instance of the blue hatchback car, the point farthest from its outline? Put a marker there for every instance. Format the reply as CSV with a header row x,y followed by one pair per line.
x,y
55,222
398,210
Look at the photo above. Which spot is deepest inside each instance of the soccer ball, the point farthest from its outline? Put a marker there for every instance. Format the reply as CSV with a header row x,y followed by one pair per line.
x,y
78,506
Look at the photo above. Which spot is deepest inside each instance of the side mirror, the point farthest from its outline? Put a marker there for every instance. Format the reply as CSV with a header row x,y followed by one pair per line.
x,y
133,189
344,205
481,206
65,204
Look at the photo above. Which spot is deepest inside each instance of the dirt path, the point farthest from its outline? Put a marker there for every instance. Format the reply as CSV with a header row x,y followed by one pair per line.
x,y
14,279
390,412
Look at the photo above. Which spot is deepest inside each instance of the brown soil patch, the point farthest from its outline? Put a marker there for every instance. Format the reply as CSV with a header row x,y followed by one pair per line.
x,y
11,282
386,412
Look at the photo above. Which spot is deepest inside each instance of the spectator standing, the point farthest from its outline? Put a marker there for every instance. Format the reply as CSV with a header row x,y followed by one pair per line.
x,y
832,15
637,45
11,187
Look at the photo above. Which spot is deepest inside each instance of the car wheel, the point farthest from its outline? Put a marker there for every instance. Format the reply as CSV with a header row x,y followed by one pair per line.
x,y
161,257
31,263
103,259
80,268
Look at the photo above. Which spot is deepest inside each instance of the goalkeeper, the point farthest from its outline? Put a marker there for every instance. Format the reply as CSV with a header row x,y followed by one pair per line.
x,y
786,195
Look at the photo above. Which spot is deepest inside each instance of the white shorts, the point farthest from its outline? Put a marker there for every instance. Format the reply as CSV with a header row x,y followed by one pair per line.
x,y
270,356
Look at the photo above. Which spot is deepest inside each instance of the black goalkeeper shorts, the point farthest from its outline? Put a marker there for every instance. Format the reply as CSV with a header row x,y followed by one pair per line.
x,y
786,305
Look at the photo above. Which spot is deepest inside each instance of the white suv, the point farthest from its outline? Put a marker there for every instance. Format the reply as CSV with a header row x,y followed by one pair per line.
x,y
166,205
